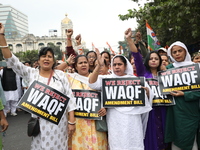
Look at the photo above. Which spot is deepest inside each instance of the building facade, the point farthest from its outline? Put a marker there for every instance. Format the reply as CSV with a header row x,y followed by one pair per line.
x,y
15,22
32,42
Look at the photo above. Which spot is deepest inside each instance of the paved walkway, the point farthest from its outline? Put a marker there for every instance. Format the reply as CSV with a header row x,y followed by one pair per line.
x,y
16,137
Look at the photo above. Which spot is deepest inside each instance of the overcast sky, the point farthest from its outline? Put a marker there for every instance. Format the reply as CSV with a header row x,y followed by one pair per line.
x,y
96,20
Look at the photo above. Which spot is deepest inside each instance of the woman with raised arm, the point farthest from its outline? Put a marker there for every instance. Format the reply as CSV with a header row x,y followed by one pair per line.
x,y
106,56
51,136
126,125
154,138
183,118
86,136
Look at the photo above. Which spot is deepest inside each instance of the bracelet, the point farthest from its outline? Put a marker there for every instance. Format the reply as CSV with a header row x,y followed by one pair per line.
x,y
2,34
67,63
71,123
4,46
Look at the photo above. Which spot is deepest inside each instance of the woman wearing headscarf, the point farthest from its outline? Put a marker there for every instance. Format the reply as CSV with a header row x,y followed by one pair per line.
x,y
126,125
183,118
154,136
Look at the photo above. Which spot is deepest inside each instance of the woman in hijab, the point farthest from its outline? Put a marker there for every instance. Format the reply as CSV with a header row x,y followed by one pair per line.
x,y
126,125
184,117
154,136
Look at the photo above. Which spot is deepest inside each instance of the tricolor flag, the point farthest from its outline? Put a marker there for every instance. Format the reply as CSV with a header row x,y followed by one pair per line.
x,y
153,43
110,48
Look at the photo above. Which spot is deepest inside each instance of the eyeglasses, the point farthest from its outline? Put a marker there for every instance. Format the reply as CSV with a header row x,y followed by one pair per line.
x,y
91,57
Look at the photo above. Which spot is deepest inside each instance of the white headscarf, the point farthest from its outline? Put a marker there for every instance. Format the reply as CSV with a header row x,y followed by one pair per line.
x,y
128,71
187,60
137,109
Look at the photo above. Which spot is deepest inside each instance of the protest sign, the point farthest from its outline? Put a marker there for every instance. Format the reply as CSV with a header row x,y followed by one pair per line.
x,y
88,103
185,78
159,99
44,101
119,92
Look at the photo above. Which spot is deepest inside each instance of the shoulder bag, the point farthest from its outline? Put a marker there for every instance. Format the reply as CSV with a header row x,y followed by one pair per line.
x,y
101,125
33,123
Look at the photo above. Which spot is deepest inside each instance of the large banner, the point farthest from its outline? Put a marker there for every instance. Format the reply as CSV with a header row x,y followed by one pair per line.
x,y
159,99
185,78
88,103
44,101
120,92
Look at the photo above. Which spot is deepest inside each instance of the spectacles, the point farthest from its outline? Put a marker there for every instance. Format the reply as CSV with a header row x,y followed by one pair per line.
x,y
91,57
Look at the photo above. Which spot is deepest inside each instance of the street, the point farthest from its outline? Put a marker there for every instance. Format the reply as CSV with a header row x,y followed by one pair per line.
x,y
16,137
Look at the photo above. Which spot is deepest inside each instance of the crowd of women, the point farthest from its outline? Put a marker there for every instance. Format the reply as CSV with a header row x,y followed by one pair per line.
x,y
146,127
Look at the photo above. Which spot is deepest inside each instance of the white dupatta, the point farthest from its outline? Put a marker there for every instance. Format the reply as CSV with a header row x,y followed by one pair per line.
x,y
79,77
137,109
187,60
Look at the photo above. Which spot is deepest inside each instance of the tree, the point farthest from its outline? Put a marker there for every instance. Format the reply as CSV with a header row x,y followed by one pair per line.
x,y
125,47
29,55
57,51
172,20
20,55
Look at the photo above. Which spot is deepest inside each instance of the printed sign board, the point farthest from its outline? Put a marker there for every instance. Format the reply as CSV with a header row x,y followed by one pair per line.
x,y
88,103
120,92
44,101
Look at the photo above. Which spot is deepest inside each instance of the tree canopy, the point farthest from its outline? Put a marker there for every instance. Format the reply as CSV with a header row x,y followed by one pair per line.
x,y
171,20
57,52
29,55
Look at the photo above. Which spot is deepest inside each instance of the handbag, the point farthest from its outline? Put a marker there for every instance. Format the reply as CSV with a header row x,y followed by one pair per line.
x,y
33,123
33,127
101,125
